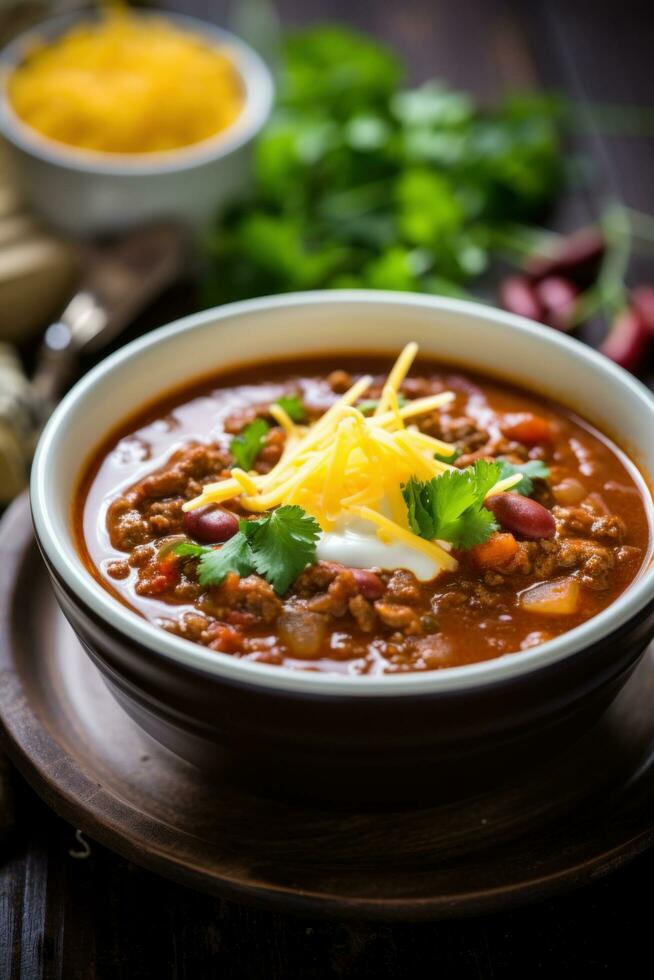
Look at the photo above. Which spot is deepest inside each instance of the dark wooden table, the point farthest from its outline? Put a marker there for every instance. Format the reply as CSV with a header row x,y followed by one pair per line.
x,y
99,917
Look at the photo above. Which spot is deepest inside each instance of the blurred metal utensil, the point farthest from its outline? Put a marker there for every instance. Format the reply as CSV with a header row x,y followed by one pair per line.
x,y
118,282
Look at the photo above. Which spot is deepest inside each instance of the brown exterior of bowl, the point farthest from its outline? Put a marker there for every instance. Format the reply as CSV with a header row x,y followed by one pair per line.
x,y
361,749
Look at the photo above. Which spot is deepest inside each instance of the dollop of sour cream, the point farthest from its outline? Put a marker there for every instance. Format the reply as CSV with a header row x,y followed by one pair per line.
x,y
354,542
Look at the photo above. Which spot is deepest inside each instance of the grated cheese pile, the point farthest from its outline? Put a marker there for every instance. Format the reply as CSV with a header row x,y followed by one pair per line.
x,y
127,84
349,464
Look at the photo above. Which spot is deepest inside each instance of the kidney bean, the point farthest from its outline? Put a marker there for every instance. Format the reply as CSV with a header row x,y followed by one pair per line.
x,y
627,341
210,524
522,516
557,296
370,585
516,294
577,258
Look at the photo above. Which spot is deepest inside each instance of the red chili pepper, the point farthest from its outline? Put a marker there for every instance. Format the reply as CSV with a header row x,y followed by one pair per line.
x,y
577,258
516,294
557,296
627,341
642,300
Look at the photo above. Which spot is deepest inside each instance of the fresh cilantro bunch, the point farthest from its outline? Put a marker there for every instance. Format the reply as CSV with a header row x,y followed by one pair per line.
x,y
278,546
449,507
361,182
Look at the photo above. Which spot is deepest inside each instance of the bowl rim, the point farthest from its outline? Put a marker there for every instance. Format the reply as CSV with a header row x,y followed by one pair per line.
x,y
138,631
252,70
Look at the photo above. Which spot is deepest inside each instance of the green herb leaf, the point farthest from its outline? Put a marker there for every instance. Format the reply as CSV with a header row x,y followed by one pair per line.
x,y
368,407
443,458
278,546
216,563
534,469
186,549
359,182
474,527
282,544
246,447
293,406
450,507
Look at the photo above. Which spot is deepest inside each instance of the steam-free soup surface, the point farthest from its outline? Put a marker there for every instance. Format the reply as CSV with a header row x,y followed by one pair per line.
x,y
517,589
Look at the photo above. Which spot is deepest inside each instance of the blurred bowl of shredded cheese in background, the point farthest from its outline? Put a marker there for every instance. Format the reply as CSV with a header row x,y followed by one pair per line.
x,y
119,118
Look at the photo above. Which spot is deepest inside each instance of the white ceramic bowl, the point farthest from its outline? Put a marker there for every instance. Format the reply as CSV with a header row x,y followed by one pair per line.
x,y
193,699
476,336
87,193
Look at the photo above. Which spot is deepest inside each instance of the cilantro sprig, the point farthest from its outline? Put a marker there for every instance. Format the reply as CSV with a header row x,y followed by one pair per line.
x,y
445,458
534,469
282,544
368,406
293,406
246,447
278,546
449,507
359,181
216,563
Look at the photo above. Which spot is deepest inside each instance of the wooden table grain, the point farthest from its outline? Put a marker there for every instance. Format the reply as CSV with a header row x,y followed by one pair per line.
x,y
69,915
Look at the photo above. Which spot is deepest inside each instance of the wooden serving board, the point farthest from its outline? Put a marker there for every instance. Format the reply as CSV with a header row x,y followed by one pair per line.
x,y
584,814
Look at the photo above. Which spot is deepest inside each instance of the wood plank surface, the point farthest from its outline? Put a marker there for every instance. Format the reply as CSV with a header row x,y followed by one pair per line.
x,y
68,917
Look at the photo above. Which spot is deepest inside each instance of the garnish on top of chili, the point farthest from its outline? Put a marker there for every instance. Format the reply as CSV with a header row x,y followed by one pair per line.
x,y
326,520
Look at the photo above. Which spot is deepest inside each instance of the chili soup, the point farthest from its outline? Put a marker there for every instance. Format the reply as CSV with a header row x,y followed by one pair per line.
x,y
351,515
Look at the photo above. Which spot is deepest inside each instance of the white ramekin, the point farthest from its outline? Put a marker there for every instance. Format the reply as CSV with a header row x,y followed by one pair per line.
x,y
85,193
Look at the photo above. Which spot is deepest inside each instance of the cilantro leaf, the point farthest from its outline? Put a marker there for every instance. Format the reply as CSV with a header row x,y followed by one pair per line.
x,y
418,498
282,544
246,447
485,474
474,527
534,469
278,546
216,563
450,507
368,406
360,182
293,406
186,549
444,458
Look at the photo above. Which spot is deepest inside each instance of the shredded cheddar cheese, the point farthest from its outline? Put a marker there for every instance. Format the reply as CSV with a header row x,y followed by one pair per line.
x,y
127,84
346,463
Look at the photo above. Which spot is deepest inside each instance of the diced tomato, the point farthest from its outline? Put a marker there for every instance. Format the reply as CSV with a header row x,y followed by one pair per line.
x,y
529,429
165,576
155,585
238,618
227,639
498,550
168,567
230,583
